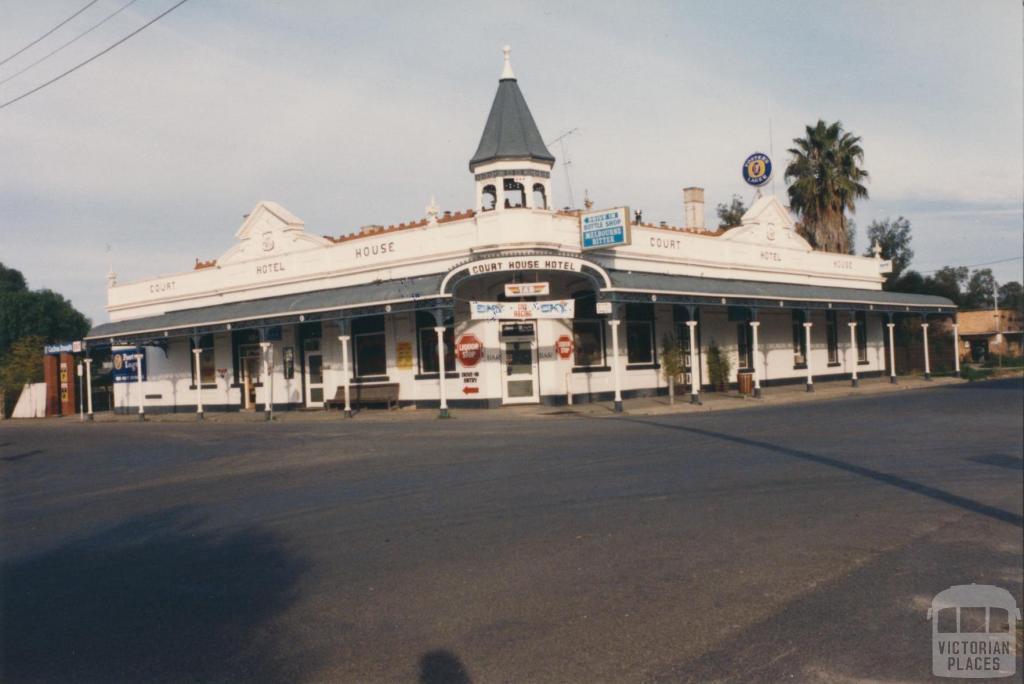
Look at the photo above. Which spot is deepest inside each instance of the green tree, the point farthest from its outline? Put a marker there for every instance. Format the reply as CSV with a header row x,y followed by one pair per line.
x,y
671,363
22,364
11,280
826,181
981,290
893,237
25,312
1011,296
851,237
947,282
731,215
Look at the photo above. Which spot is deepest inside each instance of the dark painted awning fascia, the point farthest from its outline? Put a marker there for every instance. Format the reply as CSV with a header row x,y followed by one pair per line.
x,y
632,286
343,303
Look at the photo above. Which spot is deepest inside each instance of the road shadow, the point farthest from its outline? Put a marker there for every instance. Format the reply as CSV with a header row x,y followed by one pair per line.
x,y
157,598
27,454
999,461
877,475
442,667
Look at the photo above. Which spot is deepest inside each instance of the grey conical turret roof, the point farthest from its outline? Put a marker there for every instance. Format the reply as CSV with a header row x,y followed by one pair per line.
x,y
510,131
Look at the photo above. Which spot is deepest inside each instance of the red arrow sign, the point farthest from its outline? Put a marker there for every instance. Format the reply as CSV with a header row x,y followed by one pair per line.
x,y
470,390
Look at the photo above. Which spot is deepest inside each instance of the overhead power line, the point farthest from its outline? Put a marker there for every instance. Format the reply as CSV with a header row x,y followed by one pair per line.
x,y
87,6
96,56
80,35
985,263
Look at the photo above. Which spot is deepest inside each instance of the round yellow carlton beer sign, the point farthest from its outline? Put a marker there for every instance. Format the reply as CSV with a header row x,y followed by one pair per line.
x,y
757,169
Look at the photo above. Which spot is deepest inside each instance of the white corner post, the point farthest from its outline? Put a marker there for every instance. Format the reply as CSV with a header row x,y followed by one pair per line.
x,y
441,380
956,348
270,381
615,364
755,354
345,374
142,394
267,396
892,353
198,381
854,382
88,388
924,340
694,369
807,359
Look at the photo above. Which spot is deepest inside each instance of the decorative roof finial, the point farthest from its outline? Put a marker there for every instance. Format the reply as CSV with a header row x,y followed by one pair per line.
x,y
588,203
876,249
432,211
507,72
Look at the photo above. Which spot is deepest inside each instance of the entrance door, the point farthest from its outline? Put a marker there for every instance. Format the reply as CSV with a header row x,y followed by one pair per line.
x,y
314,374
519,347
250,363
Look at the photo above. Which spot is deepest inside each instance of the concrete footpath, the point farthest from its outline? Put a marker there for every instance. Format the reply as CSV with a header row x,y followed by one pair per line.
x,y
646,406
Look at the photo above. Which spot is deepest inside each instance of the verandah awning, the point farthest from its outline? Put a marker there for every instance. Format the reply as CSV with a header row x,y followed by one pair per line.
x,y
343,302
632,285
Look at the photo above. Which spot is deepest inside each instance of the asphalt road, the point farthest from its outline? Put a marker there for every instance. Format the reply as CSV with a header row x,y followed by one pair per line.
x,y
800,543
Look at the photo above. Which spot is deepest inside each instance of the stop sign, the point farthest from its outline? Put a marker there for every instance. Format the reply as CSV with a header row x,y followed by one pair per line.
x,y
563,345
469,350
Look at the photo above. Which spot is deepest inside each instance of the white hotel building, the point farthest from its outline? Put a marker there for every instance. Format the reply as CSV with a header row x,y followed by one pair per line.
x,y
296,319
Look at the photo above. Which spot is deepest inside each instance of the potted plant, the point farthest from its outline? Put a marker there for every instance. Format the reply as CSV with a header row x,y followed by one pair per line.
x,y
719,367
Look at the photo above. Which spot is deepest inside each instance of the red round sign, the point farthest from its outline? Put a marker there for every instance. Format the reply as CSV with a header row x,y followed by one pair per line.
x,y
469,350
563,345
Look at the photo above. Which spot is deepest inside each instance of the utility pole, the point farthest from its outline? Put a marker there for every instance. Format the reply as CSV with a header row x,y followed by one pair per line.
x,y
995,314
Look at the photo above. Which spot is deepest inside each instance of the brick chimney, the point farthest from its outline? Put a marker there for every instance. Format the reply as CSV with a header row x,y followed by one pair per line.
x,y
693,208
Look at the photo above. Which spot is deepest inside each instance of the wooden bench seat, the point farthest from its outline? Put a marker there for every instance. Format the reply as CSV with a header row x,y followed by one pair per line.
x,y
360,395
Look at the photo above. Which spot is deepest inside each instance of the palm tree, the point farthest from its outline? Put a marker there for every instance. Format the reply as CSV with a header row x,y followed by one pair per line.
x,y
825,182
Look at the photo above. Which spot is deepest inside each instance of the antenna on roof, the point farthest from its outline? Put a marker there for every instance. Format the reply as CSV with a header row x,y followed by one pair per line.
x,y
565,161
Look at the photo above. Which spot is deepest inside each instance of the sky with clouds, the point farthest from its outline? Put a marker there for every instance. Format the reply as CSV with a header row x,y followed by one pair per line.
x,y
357,113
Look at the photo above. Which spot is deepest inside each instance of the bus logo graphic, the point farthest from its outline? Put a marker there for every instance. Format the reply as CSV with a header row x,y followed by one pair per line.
x,y
974,630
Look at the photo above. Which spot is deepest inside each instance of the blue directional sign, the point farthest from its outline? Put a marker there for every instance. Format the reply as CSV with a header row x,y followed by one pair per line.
x,y
757,169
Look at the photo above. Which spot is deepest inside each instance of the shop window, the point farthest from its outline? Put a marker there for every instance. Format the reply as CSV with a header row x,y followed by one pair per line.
x,y
369,346
745,346
207,366
489,198
426,339
587,332
640,333
832,337
540,200
515,194
862,337
799,340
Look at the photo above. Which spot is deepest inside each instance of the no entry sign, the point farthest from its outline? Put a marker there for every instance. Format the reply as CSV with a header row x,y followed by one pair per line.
x,y
469,350
563,345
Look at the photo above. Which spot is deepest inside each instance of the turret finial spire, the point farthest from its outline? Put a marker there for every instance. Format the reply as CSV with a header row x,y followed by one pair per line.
x,y
507,72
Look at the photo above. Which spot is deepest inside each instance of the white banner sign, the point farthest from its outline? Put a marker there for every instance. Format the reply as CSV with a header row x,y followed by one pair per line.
x,y
527,289
555,308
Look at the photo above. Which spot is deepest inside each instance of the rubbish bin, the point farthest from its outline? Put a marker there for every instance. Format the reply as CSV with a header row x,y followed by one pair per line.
x,y
745,380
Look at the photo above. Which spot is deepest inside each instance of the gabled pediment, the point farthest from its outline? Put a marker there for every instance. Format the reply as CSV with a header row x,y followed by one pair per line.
x,y
270,230
268,216
767,222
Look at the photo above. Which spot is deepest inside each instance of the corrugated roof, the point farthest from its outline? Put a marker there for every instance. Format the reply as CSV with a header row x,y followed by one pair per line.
x,y
753,289
510,132
387,291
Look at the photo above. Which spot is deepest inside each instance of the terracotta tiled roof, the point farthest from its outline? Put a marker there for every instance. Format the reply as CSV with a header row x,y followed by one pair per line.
x,y
376,230
205,264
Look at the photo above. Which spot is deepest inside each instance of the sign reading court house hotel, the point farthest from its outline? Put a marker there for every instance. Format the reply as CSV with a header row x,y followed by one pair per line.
x,y
510,301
